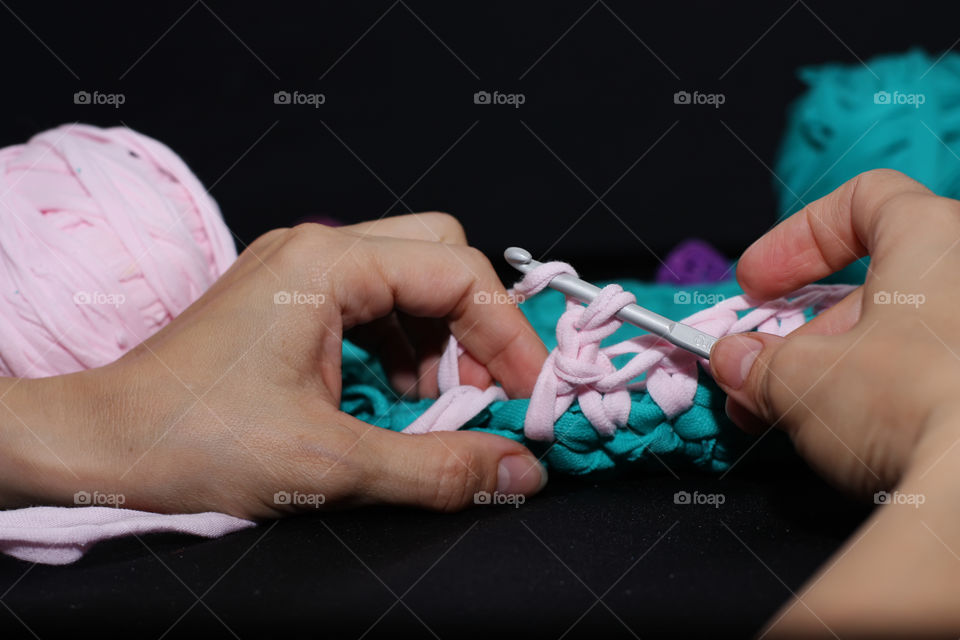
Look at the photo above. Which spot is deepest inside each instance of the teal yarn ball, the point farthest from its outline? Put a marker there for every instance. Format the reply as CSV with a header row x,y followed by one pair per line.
x,y
897,111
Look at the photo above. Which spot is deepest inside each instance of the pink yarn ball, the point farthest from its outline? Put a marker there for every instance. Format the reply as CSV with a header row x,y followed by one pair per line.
x,y
106,236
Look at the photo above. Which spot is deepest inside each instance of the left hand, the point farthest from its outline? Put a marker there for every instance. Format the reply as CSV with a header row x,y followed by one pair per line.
x,y
237,399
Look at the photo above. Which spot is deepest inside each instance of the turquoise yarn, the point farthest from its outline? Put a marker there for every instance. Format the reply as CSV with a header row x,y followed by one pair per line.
x,y
844,126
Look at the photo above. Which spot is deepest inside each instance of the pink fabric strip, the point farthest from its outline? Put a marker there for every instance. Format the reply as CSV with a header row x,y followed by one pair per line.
x,y
61,535
580,369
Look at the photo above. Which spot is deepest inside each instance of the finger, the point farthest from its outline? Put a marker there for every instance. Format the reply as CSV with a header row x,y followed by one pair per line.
x,y
474,373
433,280
839,318
826,235
427,336
765,374
445,471
432,226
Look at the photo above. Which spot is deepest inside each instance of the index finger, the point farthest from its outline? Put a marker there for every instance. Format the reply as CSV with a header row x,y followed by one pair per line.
x,y
824,236
458,283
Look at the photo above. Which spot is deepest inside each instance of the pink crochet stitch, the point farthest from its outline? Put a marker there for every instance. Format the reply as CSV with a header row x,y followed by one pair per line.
x,y
580,369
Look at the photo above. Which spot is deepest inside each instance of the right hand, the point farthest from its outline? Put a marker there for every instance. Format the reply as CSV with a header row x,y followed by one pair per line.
x,y
871,386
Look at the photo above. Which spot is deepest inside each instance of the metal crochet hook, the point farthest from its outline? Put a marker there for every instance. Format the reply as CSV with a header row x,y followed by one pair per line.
x,y
683,336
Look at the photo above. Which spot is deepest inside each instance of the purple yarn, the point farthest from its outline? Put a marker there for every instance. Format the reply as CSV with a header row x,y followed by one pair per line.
x,y
693,262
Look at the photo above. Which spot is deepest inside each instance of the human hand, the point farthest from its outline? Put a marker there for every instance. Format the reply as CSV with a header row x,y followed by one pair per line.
x,y
869,386
237,398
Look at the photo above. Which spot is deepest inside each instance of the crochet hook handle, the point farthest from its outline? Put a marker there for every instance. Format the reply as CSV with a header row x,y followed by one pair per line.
x,y
683,336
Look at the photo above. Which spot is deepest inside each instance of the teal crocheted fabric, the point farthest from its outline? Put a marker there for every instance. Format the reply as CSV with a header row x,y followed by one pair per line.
x,y
702,437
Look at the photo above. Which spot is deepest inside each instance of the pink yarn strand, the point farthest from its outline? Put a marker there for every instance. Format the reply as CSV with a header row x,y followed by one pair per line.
x,y
579,369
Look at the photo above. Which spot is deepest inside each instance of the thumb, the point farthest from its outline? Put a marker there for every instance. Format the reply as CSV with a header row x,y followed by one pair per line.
x,y
446,470
743,365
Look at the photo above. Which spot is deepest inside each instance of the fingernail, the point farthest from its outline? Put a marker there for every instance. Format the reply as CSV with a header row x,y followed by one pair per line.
x,y
520,473
732,358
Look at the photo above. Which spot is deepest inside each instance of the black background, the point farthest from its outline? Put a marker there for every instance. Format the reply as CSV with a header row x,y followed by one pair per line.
x,y
399,130
598,166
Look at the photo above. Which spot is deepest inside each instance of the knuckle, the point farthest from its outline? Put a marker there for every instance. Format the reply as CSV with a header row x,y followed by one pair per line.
x,y
306,244
445,226
887,183
889,192
336,458
874,176
476,261
269,237
946,209
918,213
309,232
478,273
457,479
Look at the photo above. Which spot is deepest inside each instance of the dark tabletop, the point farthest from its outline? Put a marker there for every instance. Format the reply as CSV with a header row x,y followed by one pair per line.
x,y
618,555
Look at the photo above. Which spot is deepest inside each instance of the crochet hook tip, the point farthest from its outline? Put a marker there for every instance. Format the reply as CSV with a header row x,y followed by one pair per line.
x,y
518,257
